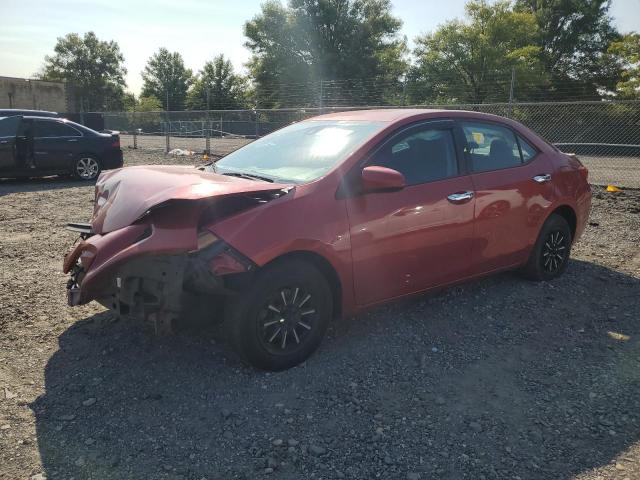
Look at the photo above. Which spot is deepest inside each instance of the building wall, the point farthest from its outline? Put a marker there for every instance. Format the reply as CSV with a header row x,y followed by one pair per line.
x,y
33,94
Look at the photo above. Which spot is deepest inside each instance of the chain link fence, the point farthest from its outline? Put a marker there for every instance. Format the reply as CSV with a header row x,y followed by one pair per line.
x,y
605,135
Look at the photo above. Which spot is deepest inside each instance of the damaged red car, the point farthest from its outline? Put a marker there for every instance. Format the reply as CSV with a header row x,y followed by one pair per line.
x,y
327,217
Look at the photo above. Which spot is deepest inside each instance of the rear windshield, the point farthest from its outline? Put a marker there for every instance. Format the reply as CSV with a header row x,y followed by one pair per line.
x,y
301,152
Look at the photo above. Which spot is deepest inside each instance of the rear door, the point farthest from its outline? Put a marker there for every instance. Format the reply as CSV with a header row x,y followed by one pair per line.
x,y
8,132
421,236
55,144
512,193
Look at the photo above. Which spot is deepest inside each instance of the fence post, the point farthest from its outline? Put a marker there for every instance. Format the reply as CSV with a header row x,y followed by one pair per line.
x,y
135,129
168,126
257,124
513,81
207,147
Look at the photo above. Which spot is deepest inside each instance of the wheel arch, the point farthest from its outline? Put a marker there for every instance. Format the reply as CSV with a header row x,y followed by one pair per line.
x,y
569,214
325,268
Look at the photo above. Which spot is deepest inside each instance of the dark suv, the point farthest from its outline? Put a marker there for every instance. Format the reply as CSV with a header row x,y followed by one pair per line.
x,y
33,146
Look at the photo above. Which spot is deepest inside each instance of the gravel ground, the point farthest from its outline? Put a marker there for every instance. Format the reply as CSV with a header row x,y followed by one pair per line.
x,y
497,379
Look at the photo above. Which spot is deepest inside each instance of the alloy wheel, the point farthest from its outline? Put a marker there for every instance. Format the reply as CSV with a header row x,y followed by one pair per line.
x,y
554,251
87,168
287,320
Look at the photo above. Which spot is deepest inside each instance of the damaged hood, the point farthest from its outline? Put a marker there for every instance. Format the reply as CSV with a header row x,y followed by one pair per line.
x,y
126,194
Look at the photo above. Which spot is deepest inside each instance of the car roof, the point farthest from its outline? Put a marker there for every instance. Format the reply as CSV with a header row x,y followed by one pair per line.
x,y
22,111
41,117
392,115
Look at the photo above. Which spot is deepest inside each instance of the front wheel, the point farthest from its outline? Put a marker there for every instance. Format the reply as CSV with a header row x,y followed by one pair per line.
x,y
550,255
87,168
281,318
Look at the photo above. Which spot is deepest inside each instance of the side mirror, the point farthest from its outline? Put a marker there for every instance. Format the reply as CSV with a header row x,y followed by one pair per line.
x,y
380,179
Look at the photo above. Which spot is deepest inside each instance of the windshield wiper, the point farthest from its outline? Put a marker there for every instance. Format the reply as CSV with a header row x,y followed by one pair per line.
x,y
251,176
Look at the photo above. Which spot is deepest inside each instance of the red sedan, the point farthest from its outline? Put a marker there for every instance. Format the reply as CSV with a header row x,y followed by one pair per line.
x,y
327,217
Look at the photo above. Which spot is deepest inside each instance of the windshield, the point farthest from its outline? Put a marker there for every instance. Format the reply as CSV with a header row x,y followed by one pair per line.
x,y
299,153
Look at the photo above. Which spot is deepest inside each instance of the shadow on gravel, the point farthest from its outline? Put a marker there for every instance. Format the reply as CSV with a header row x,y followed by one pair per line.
x,y
16,185
496,379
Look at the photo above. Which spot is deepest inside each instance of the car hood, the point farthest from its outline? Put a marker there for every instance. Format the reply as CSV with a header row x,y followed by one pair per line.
x,y
125,195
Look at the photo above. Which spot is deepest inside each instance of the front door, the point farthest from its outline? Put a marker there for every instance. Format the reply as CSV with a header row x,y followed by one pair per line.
x,y
8,148
421,236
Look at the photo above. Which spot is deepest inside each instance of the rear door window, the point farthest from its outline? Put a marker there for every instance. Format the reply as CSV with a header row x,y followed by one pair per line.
x,y
45,129
490,146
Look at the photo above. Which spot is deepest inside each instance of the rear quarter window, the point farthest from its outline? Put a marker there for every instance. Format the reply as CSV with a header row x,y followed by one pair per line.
x,y
527,150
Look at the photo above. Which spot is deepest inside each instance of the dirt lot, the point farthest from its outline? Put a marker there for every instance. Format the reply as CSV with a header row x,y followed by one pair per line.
x,y
498,379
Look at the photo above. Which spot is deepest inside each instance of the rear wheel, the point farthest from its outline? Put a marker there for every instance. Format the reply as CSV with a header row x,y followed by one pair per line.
x,y
550,255
281,318
87,167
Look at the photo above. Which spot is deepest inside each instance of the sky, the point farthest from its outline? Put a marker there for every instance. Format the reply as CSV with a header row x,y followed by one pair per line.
x,y
198,29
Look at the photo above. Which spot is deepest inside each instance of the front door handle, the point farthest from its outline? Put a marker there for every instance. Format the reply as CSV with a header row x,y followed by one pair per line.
x,y
542,178
4,141
72,140
460,197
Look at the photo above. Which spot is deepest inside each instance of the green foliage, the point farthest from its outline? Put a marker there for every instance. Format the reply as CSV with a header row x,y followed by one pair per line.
x,y
626,52
92,69
218,87
148,104
471,61
573,37
296,46
166,78
128,102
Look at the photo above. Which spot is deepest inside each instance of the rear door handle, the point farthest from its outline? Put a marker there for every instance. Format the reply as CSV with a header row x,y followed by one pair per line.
x,y
4,141
542,178
72,140
460,197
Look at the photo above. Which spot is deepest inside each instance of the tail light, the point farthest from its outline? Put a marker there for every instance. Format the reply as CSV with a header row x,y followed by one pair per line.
x,y
116,142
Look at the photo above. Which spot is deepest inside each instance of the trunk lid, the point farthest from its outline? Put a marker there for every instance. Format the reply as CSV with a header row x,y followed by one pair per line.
x,y
124,195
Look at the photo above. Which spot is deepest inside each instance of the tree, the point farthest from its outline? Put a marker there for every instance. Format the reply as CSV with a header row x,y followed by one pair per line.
x,y
148,104
92,69
142,104
128,101
217,87
573,36
166,78
472,61
626,52
296,46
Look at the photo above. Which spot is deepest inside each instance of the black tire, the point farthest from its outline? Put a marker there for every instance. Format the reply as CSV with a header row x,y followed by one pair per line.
x,y
550,255
275,301
87,168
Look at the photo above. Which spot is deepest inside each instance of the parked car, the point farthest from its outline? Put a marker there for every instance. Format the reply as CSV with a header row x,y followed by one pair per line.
x,y
325,218
14,112
33,146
